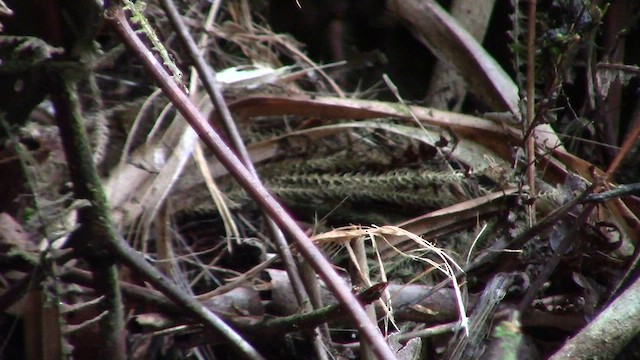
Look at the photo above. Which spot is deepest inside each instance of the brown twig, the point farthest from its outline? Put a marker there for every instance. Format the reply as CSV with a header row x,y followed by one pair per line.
x,y
116,18
630,217
531,100
311,320
360,276
293,323
211,85
517,243
554,260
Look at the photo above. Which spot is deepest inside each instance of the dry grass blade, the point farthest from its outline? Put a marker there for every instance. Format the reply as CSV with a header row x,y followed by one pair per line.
x,y
556,164
447,86
448,266
447,220
216,195
451,43
465,127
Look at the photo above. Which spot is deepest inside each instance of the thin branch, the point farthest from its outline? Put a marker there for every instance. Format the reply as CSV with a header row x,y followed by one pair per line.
x,y
311,320
531,100
360,276
629,69
211,85
294,323
619,192
106,242
554,260
96,226
115,17
518,242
